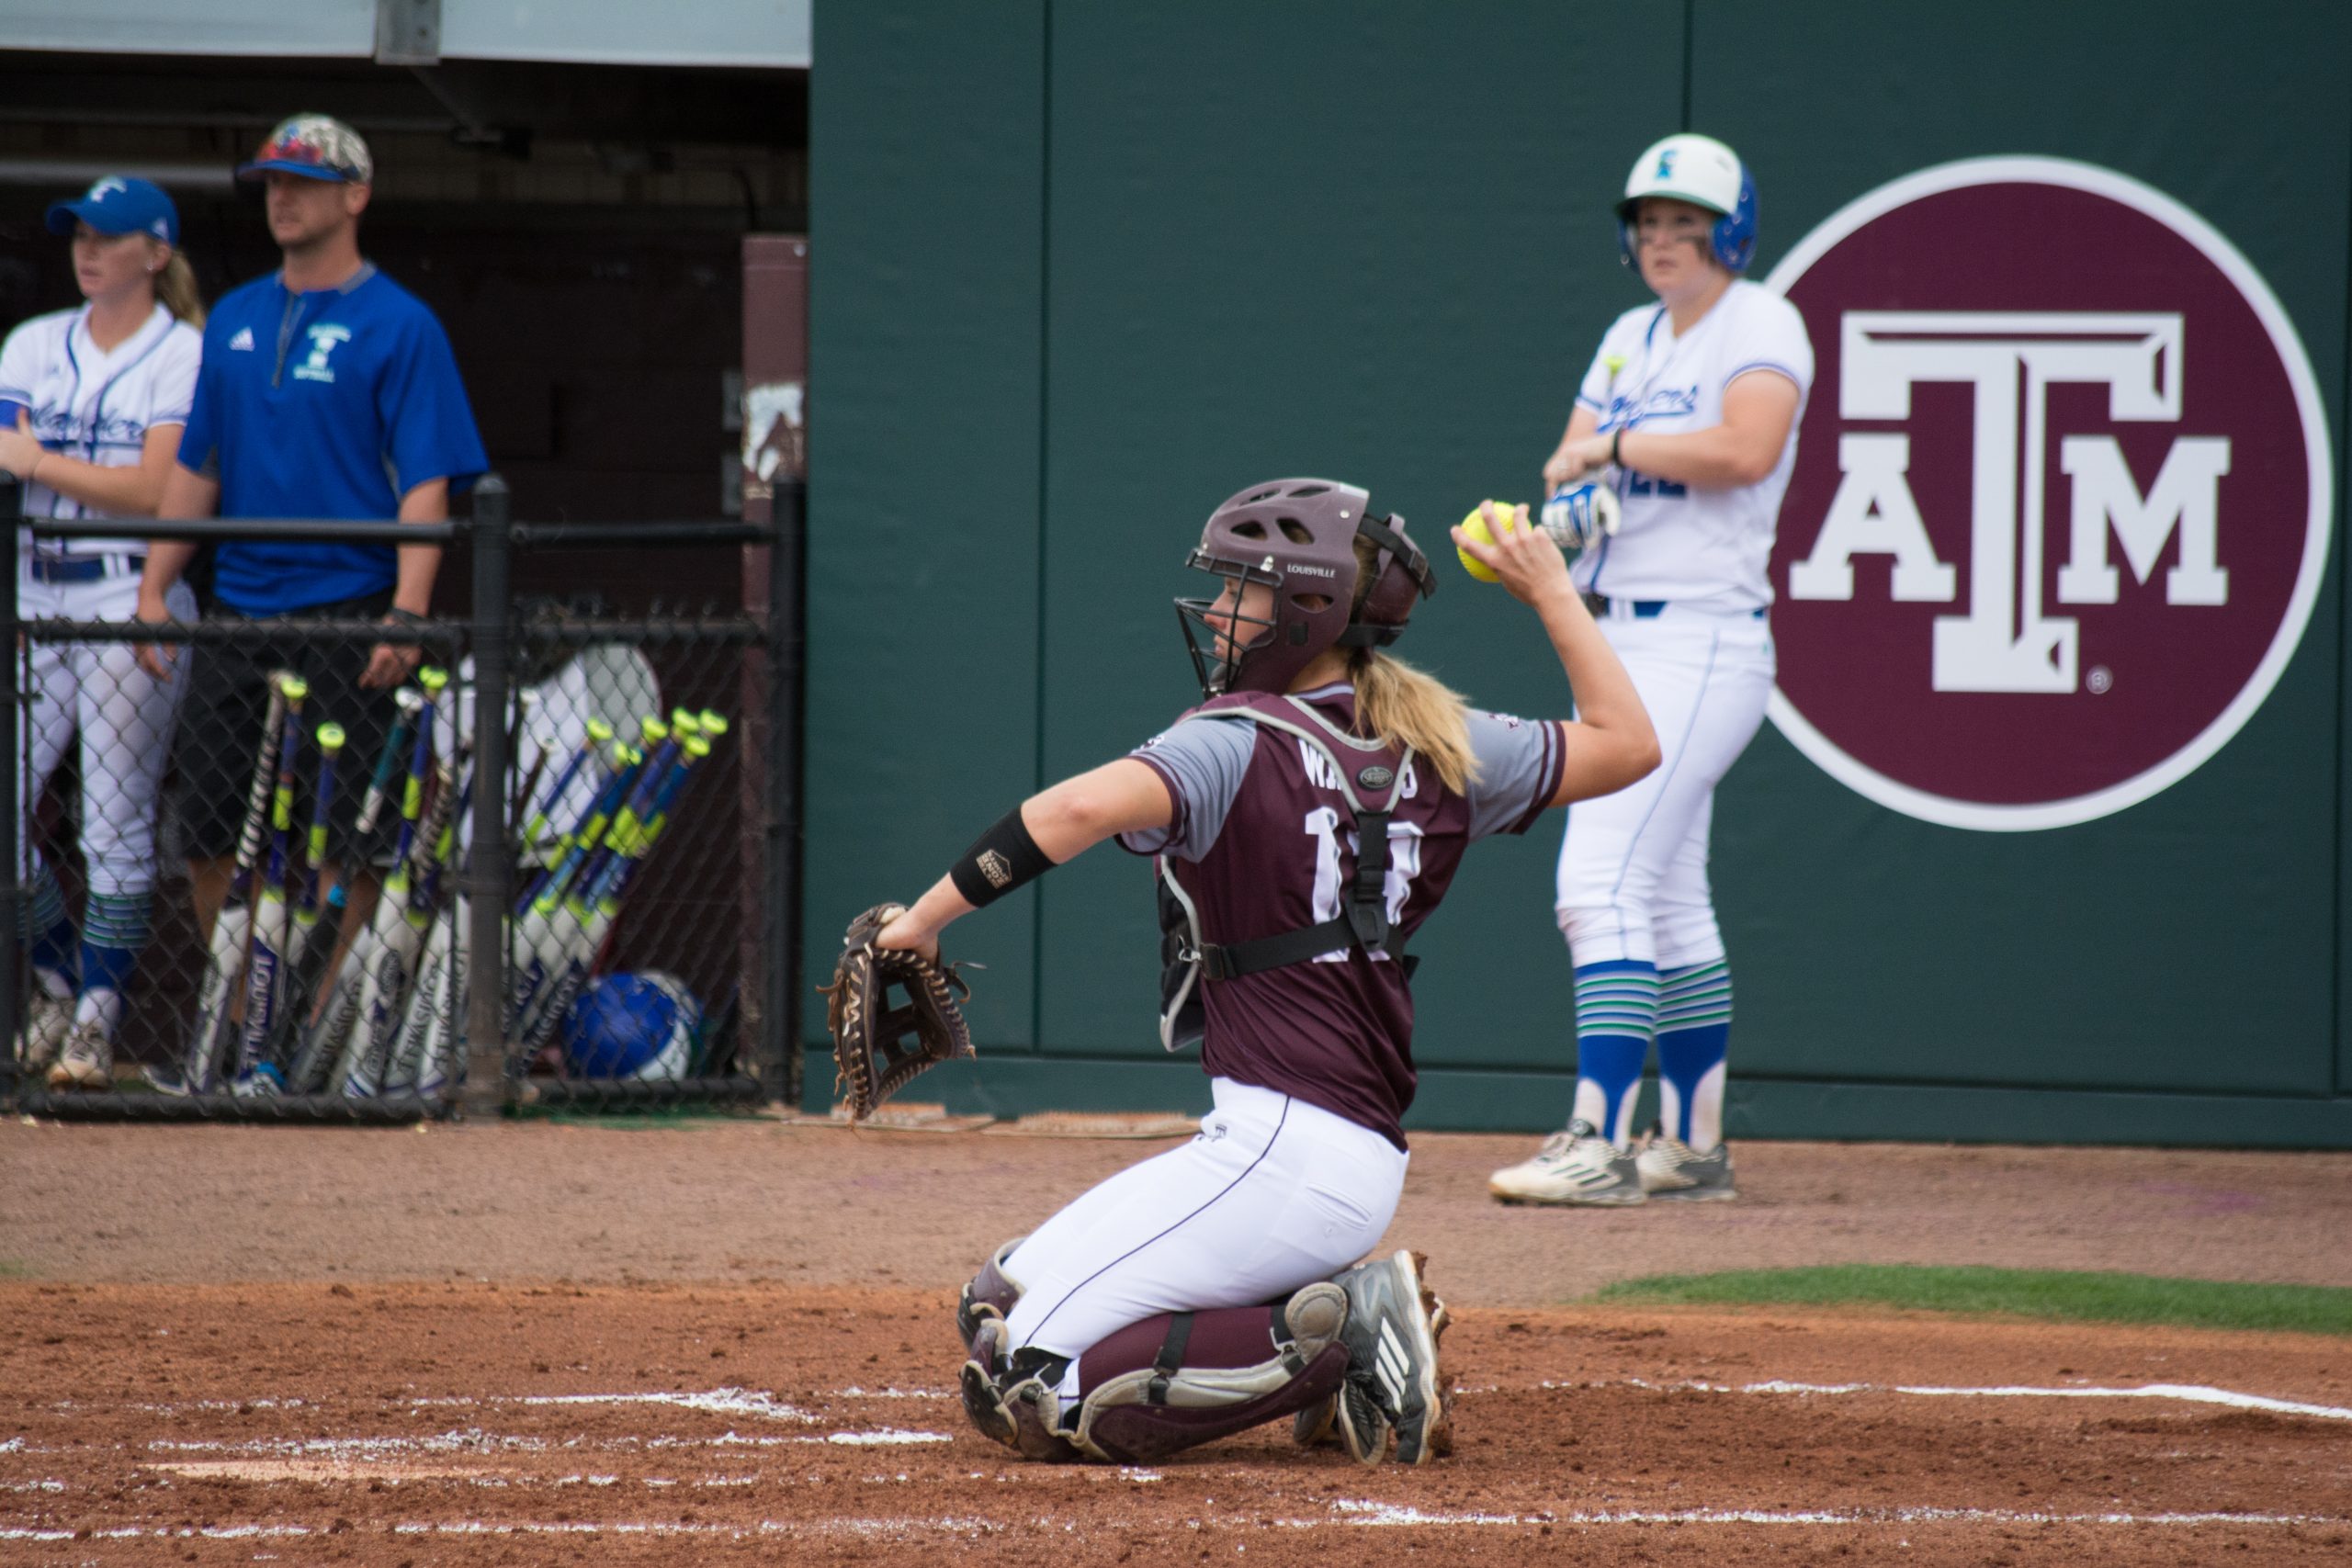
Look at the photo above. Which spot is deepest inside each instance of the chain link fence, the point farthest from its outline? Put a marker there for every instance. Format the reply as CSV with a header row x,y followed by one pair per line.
x,y
327,867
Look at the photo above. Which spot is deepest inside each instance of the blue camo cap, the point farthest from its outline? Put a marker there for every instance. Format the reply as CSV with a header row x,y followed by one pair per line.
x,y
120,204
315,146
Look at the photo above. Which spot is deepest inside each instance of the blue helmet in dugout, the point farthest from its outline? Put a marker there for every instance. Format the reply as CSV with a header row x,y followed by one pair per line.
x,y
633,1026
1705,173
1299,538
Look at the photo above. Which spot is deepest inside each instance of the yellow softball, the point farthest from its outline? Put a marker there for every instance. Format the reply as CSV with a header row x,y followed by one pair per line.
x,y
1476,526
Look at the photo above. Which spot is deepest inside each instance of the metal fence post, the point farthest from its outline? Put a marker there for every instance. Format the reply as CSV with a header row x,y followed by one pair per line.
x,y
786,649
12,503
489,1075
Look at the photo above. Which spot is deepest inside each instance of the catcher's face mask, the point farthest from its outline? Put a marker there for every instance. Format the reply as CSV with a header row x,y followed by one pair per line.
x,y
1221,633
1296,537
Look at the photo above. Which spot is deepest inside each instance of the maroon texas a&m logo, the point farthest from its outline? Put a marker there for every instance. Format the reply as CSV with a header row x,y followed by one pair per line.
x,y
2061,501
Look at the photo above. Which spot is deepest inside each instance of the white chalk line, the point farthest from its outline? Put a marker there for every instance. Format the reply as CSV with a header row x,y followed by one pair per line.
x,y
2192,1393
1388,1514
392,1451
732,1401
728,1401
1346,1513
719,1401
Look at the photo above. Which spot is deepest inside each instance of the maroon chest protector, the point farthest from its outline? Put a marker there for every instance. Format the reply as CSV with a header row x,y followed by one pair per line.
x,y
1369,775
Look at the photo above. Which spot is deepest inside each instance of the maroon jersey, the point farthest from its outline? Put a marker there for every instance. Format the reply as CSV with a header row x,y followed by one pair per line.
x,y
1264,843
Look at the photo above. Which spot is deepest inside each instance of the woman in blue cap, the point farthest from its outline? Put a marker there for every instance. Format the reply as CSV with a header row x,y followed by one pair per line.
x,y
92,402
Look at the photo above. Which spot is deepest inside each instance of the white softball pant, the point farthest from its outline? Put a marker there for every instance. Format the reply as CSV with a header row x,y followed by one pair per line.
x,y
1272,1195
1633,875
122,716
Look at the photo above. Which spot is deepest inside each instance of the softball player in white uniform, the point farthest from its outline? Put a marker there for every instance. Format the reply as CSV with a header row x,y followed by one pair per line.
x,y
91,405
1688,413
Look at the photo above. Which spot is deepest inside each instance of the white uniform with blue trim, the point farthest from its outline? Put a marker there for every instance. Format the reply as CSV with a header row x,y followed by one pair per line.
x,y
97,406
1677,544
1686,590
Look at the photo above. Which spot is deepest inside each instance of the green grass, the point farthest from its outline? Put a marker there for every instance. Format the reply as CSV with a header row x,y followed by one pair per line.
x,y
2022,1292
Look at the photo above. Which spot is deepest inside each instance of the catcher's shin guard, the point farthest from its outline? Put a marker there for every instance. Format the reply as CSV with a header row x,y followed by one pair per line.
x,y
1173,1381
990,1293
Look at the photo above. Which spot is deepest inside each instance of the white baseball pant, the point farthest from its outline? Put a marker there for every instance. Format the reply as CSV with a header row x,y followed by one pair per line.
x,y
1274,1194
122,716
1633,872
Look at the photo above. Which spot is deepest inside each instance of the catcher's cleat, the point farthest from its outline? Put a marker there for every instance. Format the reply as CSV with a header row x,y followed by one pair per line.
x,y
1016,1404
47,1021
1672,1171
87,1061
1578,1167
1392,1362
1362,1428
1441,1429
982,1404
1350,1419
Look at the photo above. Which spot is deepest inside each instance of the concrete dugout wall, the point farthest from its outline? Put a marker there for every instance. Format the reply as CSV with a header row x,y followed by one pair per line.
x,y
1081,270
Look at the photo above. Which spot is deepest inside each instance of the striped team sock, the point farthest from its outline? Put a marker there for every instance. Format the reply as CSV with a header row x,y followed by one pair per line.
x,y
49,932
1616,1015
115,927
1694,1039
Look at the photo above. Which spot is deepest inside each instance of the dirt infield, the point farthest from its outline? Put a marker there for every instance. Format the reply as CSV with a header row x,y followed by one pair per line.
x,y
732,1341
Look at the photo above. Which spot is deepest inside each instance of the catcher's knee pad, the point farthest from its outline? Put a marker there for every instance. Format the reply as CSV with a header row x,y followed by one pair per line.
x,y
1147,1413
990,1293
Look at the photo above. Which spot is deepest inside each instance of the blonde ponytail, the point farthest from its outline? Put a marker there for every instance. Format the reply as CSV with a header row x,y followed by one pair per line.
x,y
1407,707
1404,706
175,286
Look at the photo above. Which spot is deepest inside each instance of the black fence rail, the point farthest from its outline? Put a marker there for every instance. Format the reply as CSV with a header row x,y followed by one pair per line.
x,y
539,850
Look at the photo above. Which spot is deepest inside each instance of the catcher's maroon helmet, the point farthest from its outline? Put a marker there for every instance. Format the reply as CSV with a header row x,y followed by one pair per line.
x,y
1298,536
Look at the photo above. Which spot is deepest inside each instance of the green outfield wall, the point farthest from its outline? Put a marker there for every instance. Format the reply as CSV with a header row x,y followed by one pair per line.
x,y
1080,270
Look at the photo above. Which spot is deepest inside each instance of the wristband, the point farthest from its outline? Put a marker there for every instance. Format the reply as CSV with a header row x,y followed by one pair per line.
x,y
399,617
1617,446
999,861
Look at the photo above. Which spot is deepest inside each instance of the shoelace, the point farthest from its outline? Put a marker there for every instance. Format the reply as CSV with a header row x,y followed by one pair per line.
x,y
1676,1153
1569,1148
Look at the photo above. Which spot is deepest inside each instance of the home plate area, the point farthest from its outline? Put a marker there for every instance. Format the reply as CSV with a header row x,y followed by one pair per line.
x,y
415,1424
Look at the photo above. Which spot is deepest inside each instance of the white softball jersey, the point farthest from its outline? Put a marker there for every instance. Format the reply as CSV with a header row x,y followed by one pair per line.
x,y
96,404
1678,543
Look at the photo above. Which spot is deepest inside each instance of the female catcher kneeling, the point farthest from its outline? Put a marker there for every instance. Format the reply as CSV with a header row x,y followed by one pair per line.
x,y
1209,1289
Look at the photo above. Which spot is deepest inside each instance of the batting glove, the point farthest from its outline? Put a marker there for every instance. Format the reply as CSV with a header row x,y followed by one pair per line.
x,y
1578,516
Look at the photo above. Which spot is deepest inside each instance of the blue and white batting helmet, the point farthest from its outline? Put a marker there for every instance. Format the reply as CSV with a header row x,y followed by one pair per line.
x,y
1705,173
633,1026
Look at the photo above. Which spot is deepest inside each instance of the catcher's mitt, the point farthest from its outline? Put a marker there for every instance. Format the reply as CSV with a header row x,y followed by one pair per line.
x,y
878,1049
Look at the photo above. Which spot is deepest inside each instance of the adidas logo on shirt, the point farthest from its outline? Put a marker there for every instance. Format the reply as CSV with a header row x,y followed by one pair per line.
x,y
244,339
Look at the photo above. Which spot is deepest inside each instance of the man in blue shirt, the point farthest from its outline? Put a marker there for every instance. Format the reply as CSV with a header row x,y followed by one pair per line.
x,y
327,390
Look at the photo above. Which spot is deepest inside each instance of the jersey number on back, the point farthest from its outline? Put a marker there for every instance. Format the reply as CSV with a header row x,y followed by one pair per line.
x,y
1404,865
